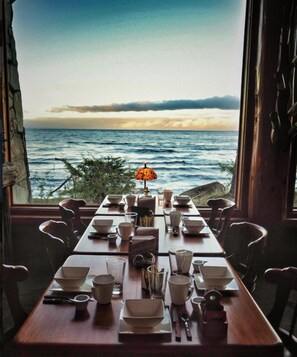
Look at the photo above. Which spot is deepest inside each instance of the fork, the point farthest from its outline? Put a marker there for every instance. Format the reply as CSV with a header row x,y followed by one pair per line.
x,y
184,317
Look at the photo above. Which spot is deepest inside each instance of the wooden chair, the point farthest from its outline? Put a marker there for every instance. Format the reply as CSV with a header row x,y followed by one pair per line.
x,y
244,245
221,212
69,209
11,275
56,242
286,281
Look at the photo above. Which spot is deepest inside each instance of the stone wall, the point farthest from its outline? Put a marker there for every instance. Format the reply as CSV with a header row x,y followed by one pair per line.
x,y
18,152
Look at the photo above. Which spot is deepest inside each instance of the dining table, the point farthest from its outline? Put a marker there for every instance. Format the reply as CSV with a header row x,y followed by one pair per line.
x,y
204,244
106,208
54,330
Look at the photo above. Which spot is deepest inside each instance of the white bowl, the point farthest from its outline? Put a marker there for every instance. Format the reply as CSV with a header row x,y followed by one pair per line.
x,y
182,199
143,312
102,225
194,225
114,199
215,276
71,277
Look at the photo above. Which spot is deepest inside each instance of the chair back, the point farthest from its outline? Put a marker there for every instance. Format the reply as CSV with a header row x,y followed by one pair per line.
x,y
221,212
70,213
56,242
244,246
11,275
286,282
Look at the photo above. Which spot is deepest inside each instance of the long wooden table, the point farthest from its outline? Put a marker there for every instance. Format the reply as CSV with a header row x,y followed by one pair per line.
x,y
118,210
205,245
56,330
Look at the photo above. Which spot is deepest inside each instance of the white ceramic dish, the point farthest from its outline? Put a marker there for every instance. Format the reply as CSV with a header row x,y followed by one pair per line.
x,y
115,199
102,225
194,225
216,276
84,288
143,313
163,327
200,284
182,200
204,231
71,277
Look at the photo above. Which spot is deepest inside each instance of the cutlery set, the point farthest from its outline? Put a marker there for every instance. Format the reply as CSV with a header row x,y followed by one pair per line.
x,y
185,318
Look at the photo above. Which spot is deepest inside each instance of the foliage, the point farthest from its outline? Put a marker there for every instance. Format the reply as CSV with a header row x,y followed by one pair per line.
x,y
94,178
229,168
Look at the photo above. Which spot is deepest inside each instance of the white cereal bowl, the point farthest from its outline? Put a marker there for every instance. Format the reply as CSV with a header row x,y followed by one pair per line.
x,y
115,199
215,276
194,225
71,277
143,312
182,199
102,225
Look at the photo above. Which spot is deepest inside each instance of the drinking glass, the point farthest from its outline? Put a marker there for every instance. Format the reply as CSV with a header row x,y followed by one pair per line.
x,y
157,281
131,217
116,267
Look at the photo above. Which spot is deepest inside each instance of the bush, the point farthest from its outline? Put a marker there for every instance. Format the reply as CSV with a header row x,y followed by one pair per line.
x,y
93,178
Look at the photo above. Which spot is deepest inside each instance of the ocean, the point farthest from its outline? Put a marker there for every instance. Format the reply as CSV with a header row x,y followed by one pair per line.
x,y
181,159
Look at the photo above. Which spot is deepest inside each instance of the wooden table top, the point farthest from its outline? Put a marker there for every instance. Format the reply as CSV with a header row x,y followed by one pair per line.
x,y
107,209
205,245
56,330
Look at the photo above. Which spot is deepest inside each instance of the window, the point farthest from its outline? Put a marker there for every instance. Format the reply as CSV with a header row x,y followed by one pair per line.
x,y
156,82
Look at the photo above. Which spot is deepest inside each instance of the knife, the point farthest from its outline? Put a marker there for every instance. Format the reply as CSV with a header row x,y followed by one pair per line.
x,y
176,325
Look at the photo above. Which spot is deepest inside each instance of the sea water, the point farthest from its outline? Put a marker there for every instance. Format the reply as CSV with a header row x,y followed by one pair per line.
x,y
181,159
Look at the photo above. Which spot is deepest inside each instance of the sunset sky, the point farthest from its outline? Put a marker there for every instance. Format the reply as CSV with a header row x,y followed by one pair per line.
x,y
122,64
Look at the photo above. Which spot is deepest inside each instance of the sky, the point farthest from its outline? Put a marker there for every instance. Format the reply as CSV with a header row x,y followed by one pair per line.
x,y
130,64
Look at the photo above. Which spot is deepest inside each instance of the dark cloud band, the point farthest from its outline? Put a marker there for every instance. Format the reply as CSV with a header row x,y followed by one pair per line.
x,y
226,102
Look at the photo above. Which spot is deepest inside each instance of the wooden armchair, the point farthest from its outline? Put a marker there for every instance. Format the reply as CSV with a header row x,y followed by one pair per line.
x,y
56,242
221,212
286,282
244,245
70,213
11,275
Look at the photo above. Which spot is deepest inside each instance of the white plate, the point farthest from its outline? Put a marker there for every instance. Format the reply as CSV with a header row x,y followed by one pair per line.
x,y
163,327
205,230
85,288
232,286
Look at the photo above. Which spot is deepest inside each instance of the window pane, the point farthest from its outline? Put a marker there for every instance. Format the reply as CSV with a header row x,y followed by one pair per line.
x,y
154,81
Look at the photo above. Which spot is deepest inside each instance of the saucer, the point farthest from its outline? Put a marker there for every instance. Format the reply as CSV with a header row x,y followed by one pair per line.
x,y
204,232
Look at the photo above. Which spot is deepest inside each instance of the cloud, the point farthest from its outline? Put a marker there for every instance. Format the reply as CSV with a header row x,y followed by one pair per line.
x,y
226,102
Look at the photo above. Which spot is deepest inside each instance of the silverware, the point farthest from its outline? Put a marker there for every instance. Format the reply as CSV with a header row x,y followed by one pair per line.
x,y
176,325
184,317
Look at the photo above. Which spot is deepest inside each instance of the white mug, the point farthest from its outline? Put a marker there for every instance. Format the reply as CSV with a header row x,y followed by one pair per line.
x,y
183,260
180,289
124,230
130,200
102,288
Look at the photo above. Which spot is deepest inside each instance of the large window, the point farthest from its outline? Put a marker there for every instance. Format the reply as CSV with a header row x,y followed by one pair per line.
x,y
144,81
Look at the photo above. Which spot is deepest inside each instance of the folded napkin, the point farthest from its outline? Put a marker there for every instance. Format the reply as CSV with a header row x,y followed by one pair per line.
x,y
149,202
149,231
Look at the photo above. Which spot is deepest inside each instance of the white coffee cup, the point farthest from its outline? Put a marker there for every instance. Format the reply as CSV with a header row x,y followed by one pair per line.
x,y
130,200
183,260
180,289
124,230
102,288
